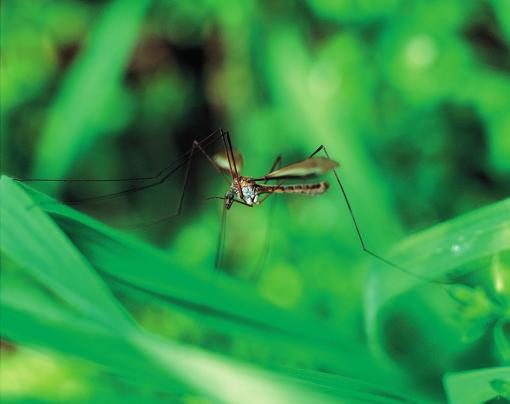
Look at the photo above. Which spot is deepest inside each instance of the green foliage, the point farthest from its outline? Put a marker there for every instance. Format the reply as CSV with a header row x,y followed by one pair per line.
x,y
53,298
411,97
58,296
89,102
469,310
478,386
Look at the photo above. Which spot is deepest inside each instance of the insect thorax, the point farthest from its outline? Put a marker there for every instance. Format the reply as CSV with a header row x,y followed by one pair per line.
x,y
249,190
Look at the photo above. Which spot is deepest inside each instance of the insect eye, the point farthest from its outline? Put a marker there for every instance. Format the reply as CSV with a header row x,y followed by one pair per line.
x,y
228,203
229,199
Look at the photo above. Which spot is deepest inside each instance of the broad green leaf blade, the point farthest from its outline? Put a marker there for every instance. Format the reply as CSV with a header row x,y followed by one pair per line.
x,y
462,251
63,333
157,364
440,251
20,291
354,390
230,381
501,11
232,304
34,317
121,257
160,365
478,386
502,339
32,240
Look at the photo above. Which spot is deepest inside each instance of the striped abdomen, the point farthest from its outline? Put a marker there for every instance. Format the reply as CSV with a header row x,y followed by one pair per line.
x,y
310,189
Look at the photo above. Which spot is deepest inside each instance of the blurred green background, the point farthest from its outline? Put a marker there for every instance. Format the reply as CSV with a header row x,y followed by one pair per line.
x,y
412,98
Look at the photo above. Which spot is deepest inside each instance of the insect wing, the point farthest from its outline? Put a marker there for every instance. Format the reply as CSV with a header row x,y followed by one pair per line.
x,y
221,160
307,168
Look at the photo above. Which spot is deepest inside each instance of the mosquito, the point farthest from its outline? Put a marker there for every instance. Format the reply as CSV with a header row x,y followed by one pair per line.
x,y
243,190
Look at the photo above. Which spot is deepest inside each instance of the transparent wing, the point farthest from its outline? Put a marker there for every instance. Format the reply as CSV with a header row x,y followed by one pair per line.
x,y
307,168
221,160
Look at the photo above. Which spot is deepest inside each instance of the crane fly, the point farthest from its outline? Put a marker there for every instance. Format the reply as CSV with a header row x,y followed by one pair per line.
x,y
244,190
248,190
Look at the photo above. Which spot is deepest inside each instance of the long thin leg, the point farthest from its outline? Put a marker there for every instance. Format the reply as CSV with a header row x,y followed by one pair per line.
x,y
229,159
181,198
209,158
281,181
222,233
221,240
196,145
234,173
269,228
204,142
232,156
232,162
277,163
358,231
110,196
234,200
158,179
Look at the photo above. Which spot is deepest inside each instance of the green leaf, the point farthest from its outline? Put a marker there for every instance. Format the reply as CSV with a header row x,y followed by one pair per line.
x,y
33,314
203,295
33,241
399,305
76,117
477,386
502,339
444,252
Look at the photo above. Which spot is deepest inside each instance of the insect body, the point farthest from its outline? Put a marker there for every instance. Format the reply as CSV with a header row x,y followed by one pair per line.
x,y
247,190
251,191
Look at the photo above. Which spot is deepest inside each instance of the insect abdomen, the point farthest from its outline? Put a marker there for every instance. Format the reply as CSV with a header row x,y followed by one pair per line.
x,y
310,189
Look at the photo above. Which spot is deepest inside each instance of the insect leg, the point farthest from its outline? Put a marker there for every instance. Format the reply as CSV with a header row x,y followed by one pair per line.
x,y
210,159
269,228
276,164
196,145
183,190
360,236
222,234
232,156
234,173
221,239
283,181
156,180
234,201
204,142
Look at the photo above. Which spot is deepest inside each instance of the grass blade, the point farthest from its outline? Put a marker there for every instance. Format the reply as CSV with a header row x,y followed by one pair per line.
x,y
33,241
88,87
478,386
